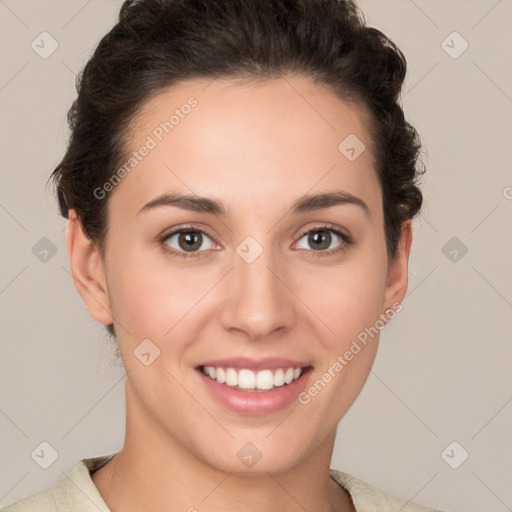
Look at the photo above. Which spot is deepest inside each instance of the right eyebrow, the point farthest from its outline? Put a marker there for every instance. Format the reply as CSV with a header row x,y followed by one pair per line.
x,y
186,202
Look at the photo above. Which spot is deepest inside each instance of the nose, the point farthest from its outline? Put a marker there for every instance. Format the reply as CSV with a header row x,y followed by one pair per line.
x,y
259,300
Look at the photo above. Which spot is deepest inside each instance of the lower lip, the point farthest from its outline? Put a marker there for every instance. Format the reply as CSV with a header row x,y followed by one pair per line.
x,y
256,402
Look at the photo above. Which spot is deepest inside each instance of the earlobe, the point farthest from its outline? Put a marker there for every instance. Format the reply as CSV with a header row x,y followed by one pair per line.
x,y
396,287
87,269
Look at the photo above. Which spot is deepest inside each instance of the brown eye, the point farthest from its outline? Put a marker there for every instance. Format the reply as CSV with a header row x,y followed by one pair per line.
x,y
187,240
190,241
319,241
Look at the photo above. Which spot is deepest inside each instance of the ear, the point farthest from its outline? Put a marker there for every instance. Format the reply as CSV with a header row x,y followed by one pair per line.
x,y
88,271
396,287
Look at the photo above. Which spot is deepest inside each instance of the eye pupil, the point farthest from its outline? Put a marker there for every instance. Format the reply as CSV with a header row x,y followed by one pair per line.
x,y
319,237
190,240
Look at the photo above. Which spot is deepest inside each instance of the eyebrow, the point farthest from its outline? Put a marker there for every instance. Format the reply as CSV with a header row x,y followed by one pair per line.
x,y
303,204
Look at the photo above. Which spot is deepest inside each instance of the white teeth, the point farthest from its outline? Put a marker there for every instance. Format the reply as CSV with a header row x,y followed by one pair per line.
x,y
231,377
247,379
288,376
265,380
279,378
221,375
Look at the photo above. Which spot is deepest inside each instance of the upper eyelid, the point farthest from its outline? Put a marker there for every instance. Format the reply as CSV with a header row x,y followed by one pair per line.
x,y
173,232
327,227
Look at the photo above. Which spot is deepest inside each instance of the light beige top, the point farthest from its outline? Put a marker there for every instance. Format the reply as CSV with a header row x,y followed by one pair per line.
x,y
76,492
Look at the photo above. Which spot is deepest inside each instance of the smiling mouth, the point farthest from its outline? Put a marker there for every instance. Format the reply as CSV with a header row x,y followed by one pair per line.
x,y
255,381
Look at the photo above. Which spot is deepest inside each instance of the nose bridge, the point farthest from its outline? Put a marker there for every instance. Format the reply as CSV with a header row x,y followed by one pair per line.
x,y
257,302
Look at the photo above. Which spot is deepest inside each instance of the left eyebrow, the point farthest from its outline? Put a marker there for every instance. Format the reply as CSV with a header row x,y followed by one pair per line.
x,y
303,204
318,201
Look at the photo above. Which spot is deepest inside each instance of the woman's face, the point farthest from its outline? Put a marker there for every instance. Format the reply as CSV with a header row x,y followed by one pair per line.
x,y
268,284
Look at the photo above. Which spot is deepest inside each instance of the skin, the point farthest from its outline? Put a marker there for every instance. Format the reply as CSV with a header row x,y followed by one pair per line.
x,y
256,147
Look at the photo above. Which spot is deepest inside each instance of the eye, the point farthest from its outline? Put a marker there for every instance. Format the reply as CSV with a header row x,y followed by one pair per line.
x,y
186,242
321,238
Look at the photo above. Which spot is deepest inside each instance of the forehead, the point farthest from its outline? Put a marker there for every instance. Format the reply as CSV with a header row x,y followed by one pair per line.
x,y
247,142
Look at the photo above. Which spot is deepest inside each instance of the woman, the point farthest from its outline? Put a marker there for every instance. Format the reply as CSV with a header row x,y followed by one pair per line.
x,y
214,146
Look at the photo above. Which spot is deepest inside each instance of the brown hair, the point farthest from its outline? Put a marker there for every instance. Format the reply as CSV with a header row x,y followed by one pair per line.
x,y
157,43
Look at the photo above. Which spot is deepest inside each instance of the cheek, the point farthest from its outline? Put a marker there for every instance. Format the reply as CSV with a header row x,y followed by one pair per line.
x,y
348,299
151,301
350,303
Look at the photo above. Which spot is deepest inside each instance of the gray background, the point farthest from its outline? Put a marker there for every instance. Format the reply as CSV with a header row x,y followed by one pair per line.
x,y
443,370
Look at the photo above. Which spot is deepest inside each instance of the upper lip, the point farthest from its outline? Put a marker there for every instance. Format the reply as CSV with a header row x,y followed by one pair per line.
x,y
269,363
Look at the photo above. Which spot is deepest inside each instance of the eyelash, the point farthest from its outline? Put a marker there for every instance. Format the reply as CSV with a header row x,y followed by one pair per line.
x,y
346,241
